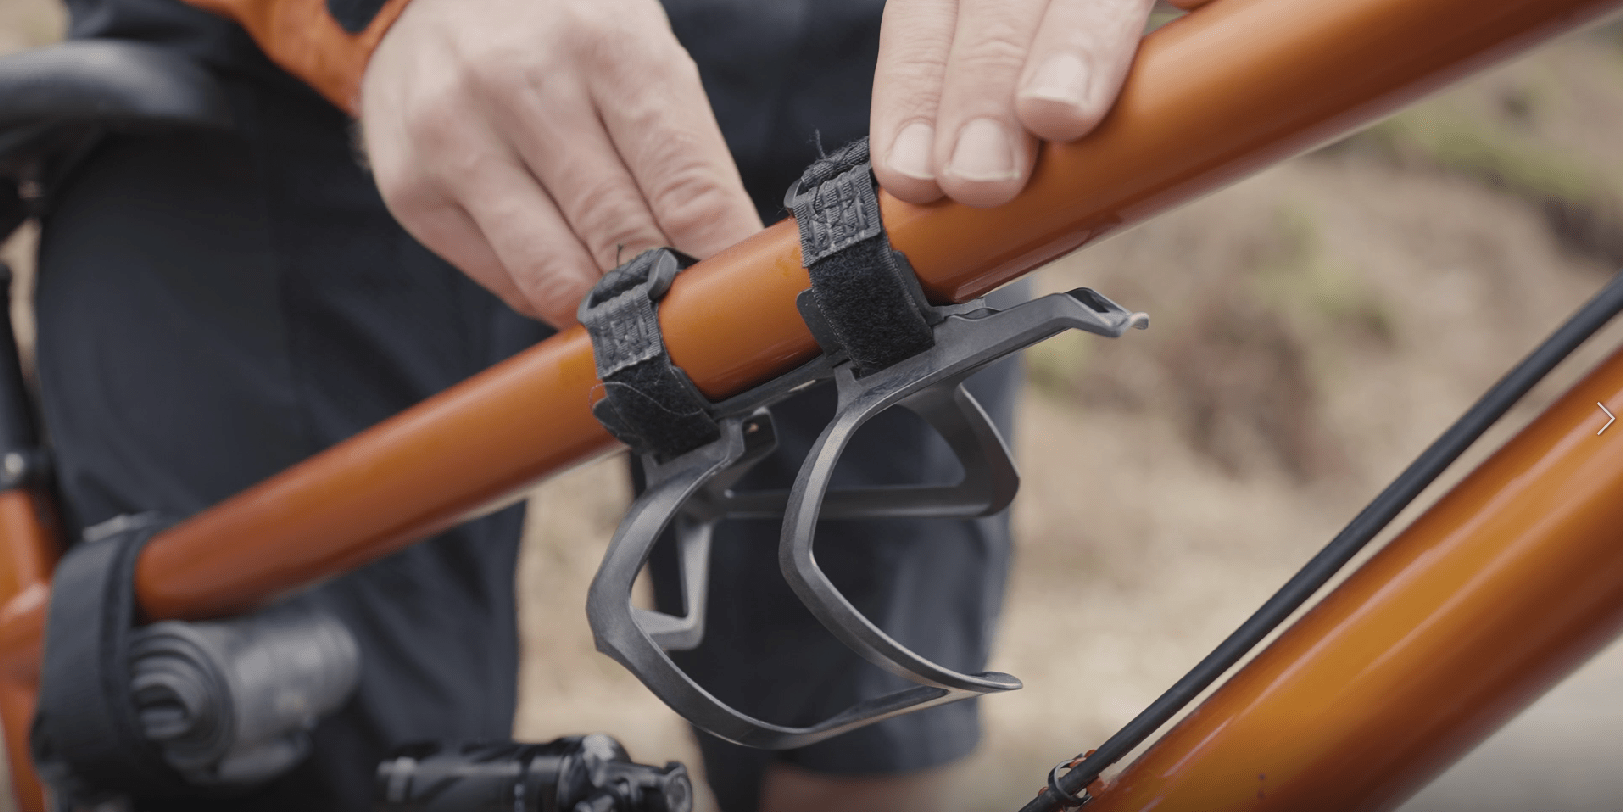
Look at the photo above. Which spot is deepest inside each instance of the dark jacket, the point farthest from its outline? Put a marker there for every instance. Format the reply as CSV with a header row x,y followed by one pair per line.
x,y
780,73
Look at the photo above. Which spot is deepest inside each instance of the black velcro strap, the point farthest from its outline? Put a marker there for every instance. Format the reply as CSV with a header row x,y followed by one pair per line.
x,y
863,289
648,403
87,739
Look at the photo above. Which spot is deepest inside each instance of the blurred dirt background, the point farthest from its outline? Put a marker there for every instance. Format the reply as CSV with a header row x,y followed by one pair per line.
x,y
1314,327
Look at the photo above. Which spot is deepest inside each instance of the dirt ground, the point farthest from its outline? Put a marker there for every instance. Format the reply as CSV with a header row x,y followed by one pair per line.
x,y
1314,327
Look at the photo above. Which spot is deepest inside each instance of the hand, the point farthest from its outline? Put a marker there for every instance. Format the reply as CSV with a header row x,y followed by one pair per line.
x,y
536,145
966,87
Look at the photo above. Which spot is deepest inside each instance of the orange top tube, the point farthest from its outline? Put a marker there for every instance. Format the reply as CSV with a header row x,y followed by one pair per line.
x,y
1233,86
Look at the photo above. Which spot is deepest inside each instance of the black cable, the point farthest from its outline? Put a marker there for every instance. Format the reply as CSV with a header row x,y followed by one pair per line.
x,y
1364,527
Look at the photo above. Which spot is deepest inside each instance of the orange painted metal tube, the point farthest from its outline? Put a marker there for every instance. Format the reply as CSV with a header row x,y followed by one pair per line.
x,y
1237,85
1504,586
28,552
17,709
1232,86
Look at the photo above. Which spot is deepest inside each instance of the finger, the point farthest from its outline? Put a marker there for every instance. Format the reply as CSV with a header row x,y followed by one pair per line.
x,y
1078,61
985,153
528,235
1189,5
554,129
425,210
914,40
448,231
655,110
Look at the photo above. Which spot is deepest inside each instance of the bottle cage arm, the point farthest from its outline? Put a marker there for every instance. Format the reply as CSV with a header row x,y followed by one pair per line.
x,y
619,635
692,492
884,345
930,385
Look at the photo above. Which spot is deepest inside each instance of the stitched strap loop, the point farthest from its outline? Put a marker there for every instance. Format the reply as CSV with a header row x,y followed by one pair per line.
x,y
863,290
648,403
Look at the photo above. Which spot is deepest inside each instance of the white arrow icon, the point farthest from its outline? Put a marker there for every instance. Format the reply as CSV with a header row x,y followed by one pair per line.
x,y
1611,417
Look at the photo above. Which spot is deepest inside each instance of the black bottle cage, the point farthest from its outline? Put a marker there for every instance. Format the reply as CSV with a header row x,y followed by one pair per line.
x,y
691,493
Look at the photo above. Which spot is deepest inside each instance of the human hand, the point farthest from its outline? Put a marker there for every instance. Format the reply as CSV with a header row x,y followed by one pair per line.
x,y
966,87
535,145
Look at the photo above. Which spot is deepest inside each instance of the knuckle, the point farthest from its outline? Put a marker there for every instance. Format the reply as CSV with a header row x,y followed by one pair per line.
x,y
589,22
403,190
924,53
554,289
500,73
676,62
691,204
912,75
411,193
594,25
610,219
606,57
434,121
477,174
1000,47
640,62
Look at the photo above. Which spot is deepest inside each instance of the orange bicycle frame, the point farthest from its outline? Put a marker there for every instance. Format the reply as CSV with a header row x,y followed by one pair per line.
x,y
1493,594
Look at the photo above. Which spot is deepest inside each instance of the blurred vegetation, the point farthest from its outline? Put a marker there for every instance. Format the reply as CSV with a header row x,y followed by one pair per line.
x,y
1315,288
1498,134
1462,143
1058,367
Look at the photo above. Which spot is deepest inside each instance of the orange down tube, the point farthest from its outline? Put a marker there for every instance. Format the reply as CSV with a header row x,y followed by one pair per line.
x,y
1506,584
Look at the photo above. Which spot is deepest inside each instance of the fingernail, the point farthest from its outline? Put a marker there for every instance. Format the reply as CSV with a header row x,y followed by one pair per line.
x,y
910,152
1062,79
984,152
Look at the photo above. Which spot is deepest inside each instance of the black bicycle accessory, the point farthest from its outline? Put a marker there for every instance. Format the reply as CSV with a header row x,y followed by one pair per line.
x,y
173,708
56,103
898,351
231,703
647,402
1069,790
572,774
24,463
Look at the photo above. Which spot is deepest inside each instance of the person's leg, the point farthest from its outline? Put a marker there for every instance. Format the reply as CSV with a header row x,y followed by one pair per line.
x,y
213,308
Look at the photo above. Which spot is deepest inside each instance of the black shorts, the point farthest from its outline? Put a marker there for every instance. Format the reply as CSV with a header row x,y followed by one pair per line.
x,y
214,308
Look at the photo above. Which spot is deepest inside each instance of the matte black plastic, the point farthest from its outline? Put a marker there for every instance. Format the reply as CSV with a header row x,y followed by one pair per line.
x,y
107,82
55,102
692,492
21,460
